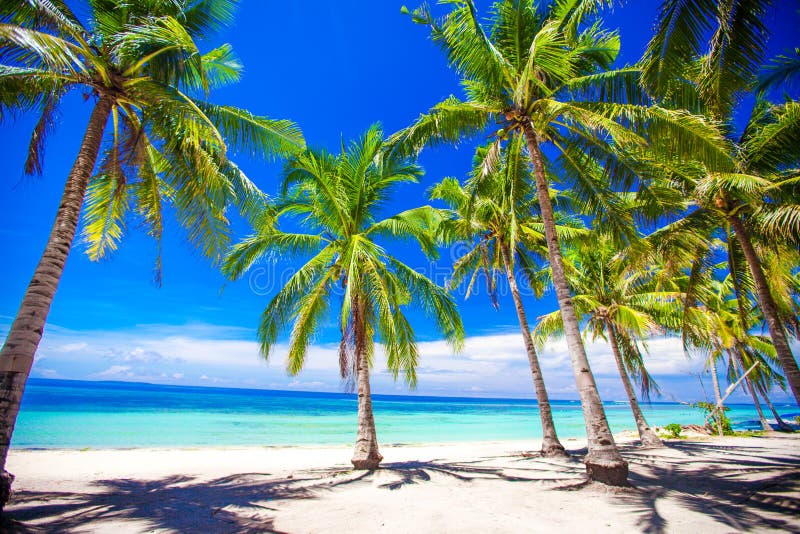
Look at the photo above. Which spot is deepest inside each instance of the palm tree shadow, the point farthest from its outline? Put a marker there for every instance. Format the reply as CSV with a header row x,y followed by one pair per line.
x,y
551,474
236,503
245,502
739,487
704,478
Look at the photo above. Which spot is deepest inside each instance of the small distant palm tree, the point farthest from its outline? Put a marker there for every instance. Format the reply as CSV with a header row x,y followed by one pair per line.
x,y
722,325
338,200
621,304
139,63
542,69
492,213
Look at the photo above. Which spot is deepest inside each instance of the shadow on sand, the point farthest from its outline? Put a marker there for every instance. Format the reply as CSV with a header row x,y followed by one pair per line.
x,y
743,488
704,477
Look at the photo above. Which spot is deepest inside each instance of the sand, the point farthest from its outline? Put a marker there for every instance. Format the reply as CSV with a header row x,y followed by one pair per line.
x,y
700,486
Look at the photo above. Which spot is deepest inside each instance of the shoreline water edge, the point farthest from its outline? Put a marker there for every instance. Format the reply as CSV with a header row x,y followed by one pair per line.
x,y
61,414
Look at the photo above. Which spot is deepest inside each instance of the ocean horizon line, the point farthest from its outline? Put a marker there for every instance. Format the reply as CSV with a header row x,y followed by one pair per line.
x,y
136,385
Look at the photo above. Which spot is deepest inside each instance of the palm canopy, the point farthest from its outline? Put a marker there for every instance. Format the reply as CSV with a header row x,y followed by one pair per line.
x,y
723,325
751,195
717,46
707,56
338,198
167,144
495,208
616,297
547,65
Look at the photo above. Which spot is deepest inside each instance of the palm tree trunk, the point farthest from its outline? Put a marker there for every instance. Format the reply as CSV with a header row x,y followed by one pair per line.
x,y
551,446
646,434
768,308
16,356
717,394
782,425
764,424
365,455
603,462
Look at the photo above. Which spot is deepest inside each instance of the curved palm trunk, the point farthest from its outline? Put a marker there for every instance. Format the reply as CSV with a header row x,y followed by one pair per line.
x,y
551,446
782,425
646,434
603,462
763,420
768,308
365,455
16,356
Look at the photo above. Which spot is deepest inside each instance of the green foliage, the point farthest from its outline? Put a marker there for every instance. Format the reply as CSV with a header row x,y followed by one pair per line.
x,y
493,211
336,200
674,430
546,66
167,147
618,300
749,433
715,416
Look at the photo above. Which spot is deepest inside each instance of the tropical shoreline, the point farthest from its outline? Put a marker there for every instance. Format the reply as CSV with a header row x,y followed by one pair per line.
x,y
571,442
715,484
100,416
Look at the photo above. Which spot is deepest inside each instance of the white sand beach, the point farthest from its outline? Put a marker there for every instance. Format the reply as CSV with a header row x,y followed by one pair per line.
x,y
700,485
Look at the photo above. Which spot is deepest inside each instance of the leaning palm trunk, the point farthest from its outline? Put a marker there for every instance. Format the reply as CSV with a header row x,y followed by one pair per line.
x,y
782,425
16,357
764,424
603,461
646,434
365,455
551,446
768,308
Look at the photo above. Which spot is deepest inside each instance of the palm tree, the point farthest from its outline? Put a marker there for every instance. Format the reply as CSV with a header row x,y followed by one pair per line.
x,y
493,214
542,70
141,64
722,324
338,198
754,189
620,303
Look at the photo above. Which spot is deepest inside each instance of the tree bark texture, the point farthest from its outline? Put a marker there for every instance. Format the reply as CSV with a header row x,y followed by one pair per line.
x,y
776,330
17,354
603,461
782,425
646,434
365,455
551,446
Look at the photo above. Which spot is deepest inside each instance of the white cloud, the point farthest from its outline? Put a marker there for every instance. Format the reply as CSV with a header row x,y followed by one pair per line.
x,y
115,371
46,373
489,365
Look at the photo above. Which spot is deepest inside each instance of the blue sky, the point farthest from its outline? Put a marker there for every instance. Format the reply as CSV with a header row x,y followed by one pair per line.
x,y
334,68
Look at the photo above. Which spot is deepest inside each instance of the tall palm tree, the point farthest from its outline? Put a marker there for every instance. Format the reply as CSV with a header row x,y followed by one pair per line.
x,y
754,189
542,70
338,199
493,214
140,64
622,304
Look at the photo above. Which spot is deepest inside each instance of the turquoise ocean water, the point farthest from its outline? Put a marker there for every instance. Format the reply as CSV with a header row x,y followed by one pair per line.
x,y
74,414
